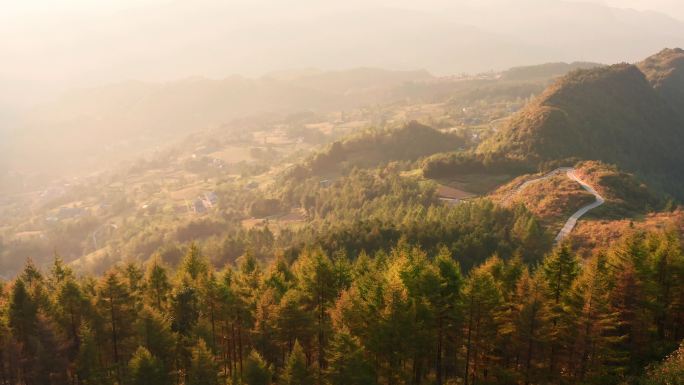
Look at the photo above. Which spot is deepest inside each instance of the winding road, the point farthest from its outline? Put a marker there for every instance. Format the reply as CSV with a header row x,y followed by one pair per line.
x,y
572,221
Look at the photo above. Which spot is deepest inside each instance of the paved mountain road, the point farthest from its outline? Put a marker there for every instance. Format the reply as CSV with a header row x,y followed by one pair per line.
x,y
572,221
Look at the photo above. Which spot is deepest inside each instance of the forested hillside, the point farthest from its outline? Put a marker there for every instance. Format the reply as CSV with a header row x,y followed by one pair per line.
x,y
615,114
610,114
665,71
374,147
400,315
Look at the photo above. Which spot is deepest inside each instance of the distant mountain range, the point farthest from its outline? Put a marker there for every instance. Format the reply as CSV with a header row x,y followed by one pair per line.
x,y
175,39
126,118
120,120
544,71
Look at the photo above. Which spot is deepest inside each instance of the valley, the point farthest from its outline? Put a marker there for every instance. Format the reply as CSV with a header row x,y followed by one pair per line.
x,y
352,227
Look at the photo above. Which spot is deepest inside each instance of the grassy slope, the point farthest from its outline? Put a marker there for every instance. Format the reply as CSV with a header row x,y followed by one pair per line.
x,y
554,199
599,233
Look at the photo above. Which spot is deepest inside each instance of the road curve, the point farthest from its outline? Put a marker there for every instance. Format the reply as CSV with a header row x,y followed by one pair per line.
x,y
572,221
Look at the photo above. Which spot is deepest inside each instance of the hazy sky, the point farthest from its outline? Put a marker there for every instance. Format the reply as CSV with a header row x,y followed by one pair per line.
x,y
13,7
49,45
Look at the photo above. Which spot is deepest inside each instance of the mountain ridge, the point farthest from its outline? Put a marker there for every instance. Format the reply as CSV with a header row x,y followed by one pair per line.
x,y
611,114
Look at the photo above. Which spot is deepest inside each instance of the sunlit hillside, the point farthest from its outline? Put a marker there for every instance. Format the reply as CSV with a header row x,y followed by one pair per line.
x,y
366,192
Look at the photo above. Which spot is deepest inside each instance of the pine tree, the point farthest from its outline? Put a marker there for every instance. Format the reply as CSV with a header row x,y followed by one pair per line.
x,y
666,282
396,329
236,314
135,281
481,300
71,308
194,264
116,307
321,282
446,307
348,364
184,312
6,349
628,302
154,333
185,309
89,368
59,272
280,277
203,370
146,369
209,304
257,371
560,269
296,371
265,339
47,363
23,312
293,322
596,323
158,285
530,322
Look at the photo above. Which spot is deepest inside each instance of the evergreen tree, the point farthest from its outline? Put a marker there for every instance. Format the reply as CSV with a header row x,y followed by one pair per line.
x,y
47,363
445,302
257,371
293,322
530,323
348,364
628,301
296,371
89,368
158,285
23,313
72,307
322,281
117,309
154,333
210,297
265,331
596,323
135,281
560,269
146,369
59,272
194,264
481,300
185,309
184,312
203,370
666,277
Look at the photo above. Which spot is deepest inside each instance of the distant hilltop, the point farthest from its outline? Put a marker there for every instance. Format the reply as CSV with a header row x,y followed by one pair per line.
x,y
624,114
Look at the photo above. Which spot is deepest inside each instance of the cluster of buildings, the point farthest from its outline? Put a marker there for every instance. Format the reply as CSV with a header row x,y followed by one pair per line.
x,y
204,202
